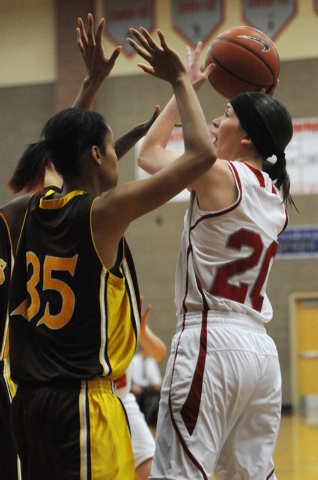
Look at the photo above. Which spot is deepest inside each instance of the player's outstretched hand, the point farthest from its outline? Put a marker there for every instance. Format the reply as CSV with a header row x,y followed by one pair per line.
x,y
197,78
98,66
165,62
271,91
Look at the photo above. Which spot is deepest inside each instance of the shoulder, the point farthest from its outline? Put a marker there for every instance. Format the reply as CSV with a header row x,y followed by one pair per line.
x,y
14,213
217,189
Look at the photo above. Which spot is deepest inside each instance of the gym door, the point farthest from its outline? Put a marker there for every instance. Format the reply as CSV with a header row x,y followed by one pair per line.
x,y
304,347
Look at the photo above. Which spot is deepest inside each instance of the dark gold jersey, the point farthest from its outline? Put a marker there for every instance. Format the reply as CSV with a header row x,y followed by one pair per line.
x,y
70,317
5,277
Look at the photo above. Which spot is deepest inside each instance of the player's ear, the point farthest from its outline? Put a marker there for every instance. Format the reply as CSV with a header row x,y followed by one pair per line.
x,y
246,140
96,154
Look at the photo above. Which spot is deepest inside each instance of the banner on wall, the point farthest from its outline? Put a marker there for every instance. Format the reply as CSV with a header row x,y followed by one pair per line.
x,y
298,242
269,16
124,14
301,155
196,20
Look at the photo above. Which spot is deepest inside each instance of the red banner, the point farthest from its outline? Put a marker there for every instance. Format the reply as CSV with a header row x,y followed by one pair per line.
x,y
269,16
124,14
197,19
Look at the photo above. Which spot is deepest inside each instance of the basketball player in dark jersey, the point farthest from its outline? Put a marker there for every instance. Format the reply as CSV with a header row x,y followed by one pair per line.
x,y
11,219
74,313
9,464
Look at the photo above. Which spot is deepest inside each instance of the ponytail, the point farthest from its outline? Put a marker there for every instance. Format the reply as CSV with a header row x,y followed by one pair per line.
x,y
29,173
278,173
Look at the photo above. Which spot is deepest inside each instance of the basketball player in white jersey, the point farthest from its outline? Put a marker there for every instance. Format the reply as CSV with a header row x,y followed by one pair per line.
x,y
143,443
221,396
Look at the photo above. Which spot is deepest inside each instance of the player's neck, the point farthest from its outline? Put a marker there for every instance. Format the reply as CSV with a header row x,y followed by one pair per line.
x,y
255,162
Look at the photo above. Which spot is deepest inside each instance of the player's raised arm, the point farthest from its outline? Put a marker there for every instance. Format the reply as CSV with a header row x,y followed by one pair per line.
x,y
153,154
138,198
98,66
187,101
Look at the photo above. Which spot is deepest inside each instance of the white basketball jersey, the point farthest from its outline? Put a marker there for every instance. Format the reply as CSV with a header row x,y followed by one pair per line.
x,y
226,256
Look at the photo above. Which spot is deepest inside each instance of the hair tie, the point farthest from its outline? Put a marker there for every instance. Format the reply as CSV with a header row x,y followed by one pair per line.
x,y
281,156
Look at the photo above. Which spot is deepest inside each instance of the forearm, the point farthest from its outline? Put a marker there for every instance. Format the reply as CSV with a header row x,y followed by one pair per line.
x,y
160,132
195,132
88,93
153,155
152,344
124,143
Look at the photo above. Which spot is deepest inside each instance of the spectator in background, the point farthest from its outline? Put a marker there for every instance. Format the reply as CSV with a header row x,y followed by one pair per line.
x,y
146,383
142,439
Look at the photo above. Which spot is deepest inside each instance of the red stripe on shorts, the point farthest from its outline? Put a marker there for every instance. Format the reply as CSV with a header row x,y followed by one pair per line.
x,y
191,407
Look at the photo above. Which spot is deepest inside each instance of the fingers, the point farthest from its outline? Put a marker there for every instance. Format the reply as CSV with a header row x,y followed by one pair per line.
x,y
154,116
150,41
138,49
146,68
141,303
208,70
271,91
79,40
145,315
157,112
115,54
99,33
82,41
139,37
188,57
188,52
90,30
197,52
162,40
146,40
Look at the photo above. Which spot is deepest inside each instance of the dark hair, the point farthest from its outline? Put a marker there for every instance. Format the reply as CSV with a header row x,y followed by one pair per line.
x,y
270,127
64,139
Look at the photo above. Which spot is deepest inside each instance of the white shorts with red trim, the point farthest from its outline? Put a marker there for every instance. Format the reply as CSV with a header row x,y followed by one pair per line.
x,y
220,402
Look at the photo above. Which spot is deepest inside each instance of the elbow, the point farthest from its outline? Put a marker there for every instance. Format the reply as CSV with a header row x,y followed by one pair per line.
x,y
208,157
162,353
141,160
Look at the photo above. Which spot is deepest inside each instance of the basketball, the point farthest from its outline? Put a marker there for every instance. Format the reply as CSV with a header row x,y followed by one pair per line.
x,y
246,60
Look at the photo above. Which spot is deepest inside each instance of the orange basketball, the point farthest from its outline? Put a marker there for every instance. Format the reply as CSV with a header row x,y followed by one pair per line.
x,y
246,60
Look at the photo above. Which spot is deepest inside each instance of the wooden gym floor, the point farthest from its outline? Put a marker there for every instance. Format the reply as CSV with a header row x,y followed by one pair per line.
x,y
296,455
